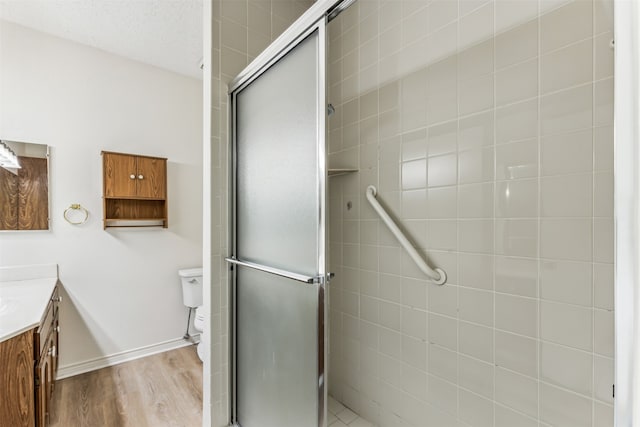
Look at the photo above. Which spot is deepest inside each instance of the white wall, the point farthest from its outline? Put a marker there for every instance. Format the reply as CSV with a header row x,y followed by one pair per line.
x,y
122,284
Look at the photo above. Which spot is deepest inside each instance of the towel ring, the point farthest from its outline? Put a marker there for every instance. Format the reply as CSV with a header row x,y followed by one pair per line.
x,y
76,207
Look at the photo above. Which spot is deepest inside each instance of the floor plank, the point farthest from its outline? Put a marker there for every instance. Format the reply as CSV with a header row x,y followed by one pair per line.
x,y
157,391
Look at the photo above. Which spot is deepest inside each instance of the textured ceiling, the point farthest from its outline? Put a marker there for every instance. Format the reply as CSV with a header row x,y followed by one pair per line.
x,y
164,33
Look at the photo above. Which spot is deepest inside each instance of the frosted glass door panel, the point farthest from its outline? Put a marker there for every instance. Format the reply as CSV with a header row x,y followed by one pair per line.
x,y
277,349
277,225
277,164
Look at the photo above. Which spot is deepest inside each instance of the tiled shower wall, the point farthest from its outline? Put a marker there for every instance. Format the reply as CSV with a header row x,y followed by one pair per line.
x,y
487,128
241,30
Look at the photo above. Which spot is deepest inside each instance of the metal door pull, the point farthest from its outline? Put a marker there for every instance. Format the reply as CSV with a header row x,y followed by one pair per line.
x,y
276,271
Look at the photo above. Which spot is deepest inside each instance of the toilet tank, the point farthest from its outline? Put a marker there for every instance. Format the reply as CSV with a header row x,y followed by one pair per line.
x,y
191,279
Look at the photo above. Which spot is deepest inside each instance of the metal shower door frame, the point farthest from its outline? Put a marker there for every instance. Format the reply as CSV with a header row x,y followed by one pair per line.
x,y
254,71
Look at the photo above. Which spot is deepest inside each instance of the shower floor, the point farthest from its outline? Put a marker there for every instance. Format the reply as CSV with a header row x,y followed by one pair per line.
x,y
341,416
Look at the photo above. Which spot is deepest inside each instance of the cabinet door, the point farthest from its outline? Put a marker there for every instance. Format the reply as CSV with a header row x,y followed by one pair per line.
x,y
43,391
152,178
16,381
119,175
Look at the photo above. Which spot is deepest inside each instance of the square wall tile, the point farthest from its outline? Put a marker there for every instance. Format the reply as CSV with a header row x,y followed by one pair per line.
x,y
475,200
516,391
443,331
476,165
567,196
443,299
565,281
517,198
476,341
475,409
517,122
559,407
442,170
442,138
516,314
476,60
554,34
566,367
506,417
476,376
477,26
414,174
475,236
476,271
517,82
516,237
443,202
566,67
475,306
516,276
568,239
518,43
566,324
567,153
414,352
443,363
568,110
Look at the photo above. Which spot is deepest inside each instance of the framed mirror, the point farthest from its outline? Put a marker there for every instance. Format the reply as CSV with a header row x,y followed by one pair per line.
x,y
24,186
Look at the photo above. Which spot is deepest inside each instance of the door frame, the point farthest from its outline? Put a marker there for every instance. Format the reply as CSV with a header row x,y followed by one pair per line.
x,y
626,212
240,83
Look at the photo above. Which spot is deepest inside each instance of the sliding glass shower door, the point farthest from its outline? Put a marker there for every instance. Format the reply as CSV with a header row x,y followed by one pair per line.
x,y
278,246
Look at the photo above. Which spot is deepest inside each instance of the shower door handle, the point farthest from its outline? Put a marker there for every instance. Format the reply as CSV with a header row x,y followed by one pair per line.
x,y
276,271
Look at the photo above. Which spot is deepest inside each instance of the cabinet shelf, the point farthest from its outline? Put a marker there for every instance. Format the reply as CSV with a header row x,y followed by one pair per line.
x,y
135,222
338,172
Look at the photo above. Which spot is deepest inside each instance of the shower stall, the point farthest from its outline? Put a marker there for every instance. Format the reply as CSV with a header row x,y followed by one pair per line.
x,y
481,133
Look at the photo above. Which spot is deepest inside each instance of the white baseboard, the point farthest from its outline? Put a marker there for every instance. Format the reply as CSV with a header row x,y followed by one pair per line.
x,y
125,356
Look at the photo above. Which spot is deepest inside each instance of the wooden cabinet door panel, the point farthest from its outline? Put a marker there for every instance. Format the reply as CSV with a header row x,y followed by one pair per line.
x,y
152,181
118,172
16,381
43,386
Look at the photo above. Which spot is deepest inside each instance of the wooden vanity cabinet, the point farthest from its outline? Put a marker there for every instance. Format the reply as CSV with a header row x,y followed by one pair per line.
x,y
28,366
46,358
134,190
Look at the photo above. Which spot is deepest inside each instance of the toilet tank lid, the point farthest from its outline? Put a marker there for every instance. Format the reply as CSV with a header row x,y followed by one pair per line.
x,y
190,272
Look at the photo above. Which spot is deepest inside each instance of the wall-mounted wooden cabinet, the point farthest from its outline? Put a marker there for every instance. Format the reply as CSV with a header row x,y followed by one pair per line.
x,y
134,190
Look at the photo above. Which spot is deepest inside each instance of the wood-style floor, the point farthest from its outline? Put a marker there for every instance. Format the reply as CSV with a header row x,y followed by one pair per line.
x,y
157,391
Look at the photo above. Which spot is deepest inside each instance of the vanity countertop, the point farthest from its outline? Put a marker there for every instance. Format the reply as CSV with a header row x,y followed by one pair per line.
x,y
22,302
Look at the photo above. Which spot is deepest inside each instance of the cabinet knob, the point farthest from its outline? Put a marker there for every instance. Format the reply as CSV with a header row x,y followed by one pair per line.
x,y
58,329
58,299
132,176
140,177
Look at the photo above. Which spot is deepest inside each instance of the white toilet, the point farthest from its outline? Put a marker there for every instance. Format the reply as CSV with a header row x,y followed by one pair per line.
x,y
191,279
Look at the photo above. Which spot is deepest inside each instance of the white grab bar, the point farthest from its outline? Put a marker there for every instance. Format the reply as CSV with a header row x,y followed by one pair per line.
x,y
437,275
